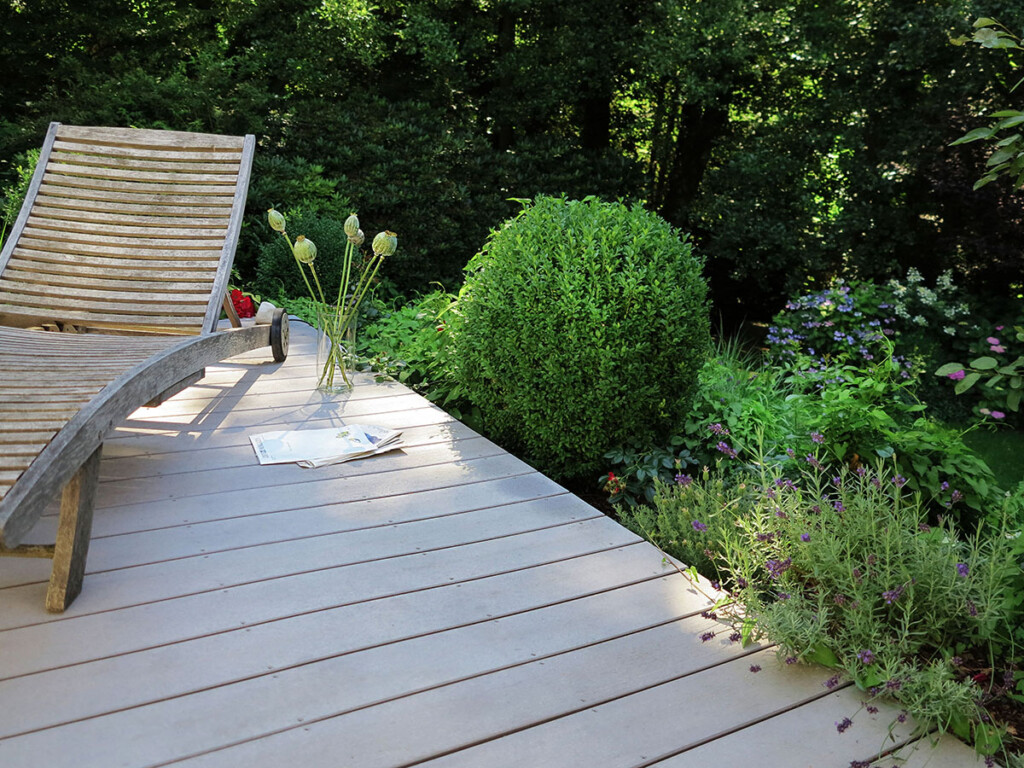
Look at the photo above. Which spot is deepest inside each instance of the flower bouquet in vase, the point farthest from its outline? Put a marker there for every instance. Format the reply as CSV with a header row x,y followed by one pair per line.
x,y
336,322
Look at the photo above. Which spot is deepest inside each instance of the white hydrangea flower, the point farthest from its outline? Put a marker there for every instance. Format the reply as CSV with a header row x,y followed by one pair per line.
x,y
926,295
945,281
949,330
919,320
913,276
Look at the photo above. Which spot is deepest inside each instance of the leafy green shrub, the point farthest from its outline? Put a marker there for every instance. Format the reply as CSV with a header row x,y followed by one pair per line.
x,y
413,343
585,325
13,195
739,404
998,370
845,571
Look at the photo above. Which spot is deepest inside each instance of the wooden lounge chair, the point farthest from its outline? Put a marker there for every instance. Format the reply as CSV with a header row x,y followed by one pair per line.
x,y
111,288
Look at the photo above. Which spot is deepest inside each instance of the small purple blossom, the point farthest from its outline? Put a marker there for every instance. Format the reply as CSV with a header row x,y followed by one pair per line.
x,y
955,497
992,340
892,595
755,668
805,537
724,448
683,480
813,461
998,415
784,595
706,636
894,684
791,659
944,486
718,429
817,437
866,656
972,609
709,615
778,567
735,637
699,526
843,724
956,375
902,717
872,710
832,682
962,570
716,586
838,506
899,481
790,452
956,661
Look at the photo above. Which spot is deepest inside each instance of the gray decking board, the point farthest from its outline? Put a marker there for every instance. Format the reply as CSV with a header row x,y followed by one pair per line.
x,y
445,605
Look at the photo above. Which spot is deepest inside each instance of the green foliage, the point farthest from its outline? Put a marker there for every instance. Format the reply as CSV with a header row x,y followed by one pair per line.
x,y
837,412
298,189
868,411
1007,157
13,195
847,572
585,326
998,373
413,344
790,140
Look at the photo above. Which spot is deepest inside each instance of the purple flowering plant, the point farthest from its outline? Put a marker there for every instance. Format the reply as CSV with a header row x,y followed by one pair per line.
x,y
867,589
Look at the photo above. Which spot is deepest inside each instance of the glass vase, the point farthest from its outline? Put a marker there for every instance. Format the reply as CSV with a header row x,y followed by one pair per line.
x,y
335,352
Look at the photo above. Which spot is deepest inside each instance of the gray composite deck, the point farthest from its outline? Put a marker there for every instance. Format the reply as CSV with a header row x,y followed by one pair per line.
x,y
442,605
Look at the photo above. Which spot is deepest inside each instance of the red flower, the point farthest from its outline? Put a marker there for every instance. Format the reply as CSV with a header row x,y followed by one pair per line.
x,y
243,304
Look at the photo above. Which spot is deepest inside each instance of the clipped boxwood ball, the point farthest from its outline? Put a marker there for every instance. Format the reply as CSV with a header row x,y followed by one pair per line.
x,y
585,325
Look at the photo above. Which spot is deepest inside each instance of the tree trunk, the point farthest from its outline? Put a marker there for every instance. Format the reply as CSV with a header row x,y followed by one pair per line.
x,y
596,119
699,129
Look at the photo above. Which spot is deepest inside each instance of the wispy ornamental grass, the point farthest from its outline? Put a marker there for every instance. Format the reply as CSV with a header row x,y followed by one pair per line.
x,y
842,569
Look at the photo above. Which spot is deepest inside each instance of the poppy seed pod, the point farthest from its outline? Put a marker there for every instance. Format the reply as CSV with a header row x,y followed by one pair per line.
x,y
385,243
304,250
276,220
357,239
352,225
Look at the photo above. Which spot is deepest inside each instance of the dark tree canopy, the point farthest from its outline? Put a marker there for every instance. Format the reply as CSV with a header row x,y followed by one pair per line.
x,y
792,139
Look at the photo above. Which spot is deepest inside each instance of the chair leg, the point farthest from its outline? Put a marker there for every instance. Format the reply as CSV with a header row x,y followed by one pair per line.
x,y
73,533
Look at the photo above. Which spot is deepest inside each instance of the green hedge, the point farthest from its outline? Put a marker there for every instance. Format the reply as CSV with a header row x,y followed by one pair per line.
x,y
584,326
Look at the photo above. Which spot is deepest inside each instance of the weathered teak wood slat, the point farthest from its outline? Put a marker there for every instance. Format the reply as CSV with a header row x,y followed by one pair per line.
x,y
220,203
147,154
201,211
126,221
85,155
149,279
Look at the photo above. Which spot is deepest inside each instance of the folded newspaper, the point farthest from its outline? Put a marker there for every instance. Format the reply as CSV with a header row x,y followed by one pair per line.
x,y
320,447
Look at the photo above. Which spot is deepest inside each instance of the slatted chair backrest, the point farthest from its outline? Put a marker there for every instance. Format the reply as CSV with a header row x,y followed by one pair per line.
x,y
127,230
